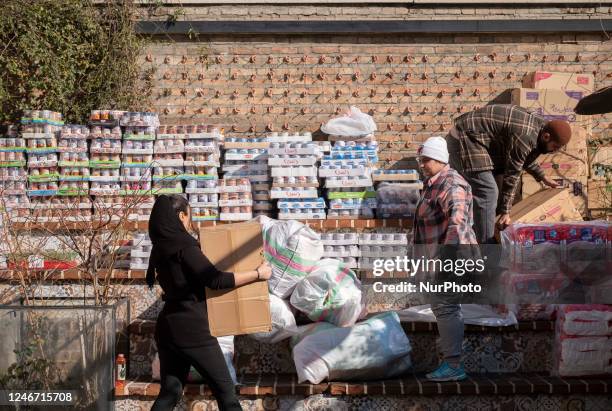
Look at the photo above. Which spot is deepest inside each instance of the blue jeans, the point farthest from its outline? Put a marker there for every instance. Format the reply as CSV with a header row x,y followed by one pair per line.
x,y
484,192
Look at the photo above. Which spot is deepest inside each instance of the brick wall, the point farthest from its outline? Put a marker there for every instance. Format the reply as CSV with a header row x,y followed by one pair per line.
x,y
379,12
413,86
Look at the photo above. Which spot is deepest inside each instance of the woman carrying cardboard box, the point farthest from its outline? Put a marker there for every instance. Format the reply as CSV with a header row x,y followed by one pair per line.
x,y
181,333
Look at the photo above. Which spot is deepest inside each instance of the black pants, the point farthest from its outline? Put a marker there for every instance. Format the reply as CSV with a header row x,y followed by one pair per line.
x,y
208,361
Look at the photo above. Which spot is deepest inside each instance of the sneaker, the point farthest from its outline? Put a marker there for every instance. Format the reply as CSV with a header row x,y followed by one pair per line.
x,y
447,373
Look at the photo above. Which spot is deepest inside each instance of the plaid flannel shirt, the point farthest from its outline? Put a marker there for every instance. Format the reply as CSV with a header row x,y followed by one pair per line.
x,y
502,138
444,212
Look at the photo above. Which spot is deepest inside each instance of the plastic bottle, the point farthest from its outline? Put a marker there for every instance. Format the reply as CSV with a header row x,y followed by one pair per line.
x,y
121,371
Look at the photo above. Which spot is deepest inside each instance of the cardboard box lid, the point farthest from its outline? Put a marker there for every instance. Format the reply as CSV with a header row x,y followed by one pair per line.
x,y
245,309
546,206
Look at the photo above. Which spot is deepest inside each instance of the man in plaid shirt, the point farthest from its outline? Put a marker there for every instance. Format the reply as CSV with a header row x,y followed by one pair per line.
x,y
444,216
501,139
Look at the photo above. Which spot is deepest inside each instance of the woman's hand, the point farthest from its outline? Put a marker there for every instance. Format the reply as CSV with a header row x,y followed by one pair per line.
x,y
264,271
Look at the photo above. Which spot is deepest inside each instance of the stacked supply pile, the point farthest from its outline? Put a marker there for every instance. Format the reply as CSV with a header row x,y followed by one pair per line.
x,y
105,161
41,130
397,193
348,179
139,135
235,199
554,96
373,246
583,340
295,181
343,247
544,259
201,170
13,175
74,170
140,252
248,158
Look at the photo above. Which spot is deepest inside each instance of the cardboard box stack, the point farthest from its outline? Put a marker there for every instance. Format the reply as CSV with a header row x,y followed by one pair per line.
x,y
13,175
248,158
293,166
348,179
554,96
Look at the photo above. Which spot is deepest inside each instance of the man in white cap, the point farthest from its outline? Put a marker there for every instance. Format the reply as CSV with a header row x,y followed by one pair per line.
x,y
444,216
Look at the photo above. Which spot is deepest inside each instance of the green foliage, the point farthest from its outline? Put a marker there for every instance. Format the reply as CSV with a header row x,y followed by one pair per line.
x,y
69,56
30,371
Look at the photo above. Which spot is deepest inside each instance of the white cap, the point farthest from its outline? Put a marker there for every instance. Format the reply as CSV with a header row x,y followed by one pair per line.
x,y
434,148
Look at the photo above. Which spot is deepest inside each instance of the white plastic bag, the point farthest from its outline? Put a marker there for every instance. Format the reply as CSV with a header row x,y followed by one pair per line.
x,y
374,349
227,347
283,322
331,292
293,250
353,124
475,314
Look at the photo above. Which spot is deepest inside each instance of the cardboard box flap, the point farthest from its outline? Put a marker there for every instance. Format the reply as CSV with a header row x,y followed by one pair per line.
x,y
245,309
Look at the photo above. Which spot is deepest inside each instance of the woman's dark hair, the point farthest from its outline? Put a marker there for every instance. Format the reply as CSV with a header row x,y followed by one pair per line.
x,y
178,203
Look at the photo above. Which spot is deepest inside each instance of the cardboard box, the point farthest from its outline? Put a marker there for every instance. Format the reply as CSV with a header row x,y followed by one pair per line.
x,y
550,205
549,103
577,187
245,309
579,139
600,195
560,81
564,164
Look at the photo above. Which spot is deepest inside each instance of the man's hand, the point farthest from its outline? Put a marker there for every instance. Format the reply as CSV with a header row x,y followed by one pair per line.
x,y
550,183
503,221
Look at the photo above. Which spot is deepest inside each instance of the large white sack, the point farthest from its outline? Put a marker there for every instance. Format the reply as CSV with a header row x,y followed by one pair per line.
x,y
227,348
293,251
331,292
353,124
283,322
474,314
373,349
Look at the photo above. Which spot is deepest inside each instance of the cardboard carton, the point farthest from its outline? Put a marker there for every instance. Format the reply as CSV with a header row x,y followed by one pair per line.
x,y
579,139
577,187
600,195
550,104
245,309
560,81
550,205
564,164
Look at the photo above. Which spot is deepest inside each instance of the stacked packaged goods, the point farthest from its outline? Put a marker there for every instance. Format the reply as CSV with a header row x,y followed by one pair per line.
x,y
139,135
248,158
295,179
201,163
105,161
140,252
342,246
235,199
348,179
13,175
373,246
41,130
74,161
